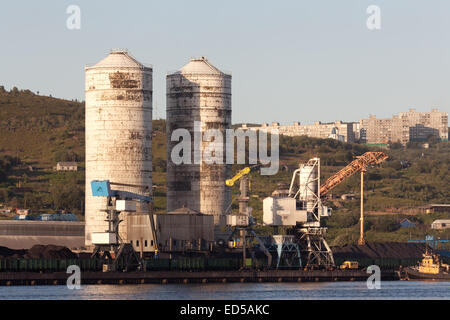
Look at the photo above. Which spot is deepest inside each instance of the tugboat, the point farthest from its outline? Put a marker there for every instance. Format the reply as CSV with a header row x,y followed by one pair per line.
x,y
430,268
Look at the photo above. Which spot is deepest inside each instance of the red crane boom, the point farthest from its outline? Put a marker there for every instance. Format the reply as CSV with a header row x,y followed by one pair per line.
x,y
359,164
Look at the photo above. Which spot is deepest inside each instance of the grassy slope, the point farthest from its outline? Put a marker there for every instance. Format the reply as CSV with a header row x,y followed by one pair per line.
x,y
40,131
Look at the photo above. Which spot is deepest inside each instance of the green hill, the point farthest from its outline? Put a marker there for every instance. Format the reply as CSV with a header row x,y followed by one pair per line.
x,y
35,133
38,131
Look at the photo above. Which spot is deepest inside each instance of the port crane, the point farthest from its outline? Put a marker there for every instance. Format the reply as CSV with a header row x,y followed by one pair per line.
x,y
242,175
109,244
302,210
243,221
360,164
302,207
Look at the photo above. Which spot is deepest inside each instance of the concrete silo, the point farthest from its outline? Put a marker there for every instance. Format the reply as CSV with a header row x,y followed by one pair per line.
x,y
198,92
118,131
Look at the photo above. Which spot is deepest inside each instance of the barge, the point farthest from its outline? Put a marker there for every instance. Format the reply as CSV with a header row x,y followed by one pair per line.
x,y
165,277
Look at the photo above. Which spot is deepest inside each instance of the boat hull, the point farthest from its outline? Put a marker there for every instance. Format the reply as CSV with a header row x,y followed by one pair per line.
x,y
412,273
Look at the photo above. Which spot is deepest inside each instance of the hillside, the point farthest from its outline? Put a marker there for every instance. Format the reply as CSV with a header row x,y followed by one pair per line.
x,y
38,131
35,133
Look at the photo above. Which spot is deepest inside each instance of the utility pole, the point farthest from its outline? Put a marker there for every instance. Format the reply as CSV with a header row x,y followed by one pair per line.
x,y
361,240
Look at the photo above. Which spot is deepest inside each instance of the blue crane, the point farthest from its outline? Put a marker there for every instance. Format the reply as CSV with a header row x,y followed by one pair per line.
x,y
110,239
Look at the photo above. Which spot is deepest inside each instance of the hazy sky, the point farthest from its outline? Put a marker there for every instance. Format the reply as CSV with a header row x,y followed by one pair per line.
x,y
290,60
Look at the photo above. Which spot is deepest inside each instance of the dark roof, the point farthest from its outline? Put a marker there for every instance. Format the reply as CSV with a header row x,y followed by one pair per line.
x,y
434,205
406,222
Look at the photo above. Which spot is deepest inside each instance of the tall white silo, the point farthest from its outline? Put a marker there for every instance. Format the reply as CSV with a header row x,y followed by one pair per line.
x,y
198,92
118,130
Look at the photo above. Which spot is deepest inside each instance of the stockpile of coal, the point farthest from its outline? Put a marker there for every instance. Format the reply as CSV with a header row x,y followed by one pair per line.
x,y
7,253
380,250
38,252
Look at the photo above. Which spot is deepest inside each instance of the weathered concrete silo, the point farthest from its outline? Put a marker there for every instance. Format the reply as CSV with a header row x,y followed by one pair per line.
x,y
198,92
118,130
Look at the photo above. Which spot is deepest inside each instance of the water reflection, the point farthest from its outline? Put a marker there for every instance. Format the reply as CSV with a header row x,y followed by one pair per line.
x,y
236,291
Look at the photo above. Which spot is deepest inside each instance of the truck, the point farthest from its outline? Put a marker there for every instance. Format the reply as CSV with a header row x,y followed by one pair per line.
x,y
353,265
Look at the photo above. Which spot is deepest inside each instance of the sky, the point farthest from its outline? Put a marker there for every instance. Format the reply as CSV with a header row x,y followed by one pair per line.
x,y
290,61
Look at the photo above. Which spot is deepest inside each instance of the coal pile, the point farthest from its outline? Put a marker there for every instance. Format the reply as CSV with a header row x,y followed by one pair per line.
x,y
49,252
380,250
38,252
7,252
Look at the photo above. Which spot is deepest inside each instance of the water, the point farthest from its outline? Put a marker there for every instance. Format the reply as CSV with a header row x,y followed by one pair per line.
x,y
236,291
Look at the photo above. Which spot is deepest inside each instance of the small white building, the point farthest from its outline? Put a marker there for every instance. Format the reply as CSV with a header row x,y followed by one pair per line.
x,y
23,212
66,166
348,196
6,211
440,224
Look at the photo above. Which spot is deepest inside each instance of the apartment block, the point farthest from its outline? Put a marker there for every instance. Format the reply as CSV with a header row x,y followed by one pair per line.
x,y
404,127
342,131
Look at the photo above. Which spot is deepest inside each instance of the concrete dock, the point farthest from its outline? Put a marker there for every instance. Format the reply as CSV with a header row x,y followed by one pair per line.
x,y
164,277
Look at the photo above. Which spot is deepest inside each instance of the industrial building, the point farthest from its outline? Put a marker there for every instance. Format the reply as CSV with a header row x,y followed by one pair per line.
x,y
198,93
23,234
404,127
177,231
184,229
338,130
431,208
118,132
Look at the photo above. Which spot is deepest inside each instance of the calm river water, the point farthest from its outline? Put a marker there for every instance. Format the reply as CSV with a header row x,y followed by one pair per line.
x,y
236,291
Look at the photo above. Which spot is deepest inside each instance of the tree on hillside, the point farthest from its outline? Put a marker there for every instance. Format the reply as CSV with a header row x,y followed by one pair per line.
x,y
385,224
67,155
66,193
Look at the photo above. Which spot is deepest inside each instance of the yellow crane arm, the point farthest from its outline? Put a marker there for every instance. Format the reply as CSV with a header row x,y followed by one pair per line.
x,y
359,164
240,174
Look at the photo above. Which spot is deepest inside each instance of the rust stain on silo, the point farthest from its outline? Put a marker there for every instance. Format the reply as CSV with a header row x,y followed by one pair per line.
x,y
122,80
